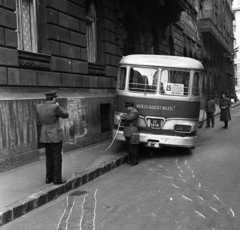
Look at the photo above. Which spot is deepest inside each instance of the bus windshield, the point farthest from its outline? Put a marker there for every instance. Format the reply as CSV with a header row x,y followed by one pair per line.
x,y
143,79
175,82
152,80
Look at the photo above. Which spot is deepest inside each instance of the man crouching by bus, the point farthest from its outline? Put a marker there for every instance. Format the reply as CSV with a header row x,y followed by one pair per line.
x,y
131,132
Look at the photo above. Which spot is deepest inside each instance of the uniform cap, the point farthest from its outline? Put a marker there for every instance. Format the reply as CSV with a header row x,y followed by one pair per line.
x,y
52,93
129,104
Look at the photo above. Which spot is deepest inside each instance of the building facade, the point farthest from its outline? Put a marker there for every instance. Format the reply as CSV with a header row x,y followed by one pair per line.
x,y
75,46
236,29
217,53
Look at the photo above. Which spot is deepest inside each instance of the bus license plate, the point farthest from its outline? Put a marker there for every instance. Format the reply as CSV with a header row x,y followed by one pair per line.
x,y
156,123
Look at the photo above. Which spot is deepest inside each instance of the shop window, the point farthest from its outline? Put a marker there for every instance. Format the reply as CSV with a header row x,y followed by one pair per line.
x,y
27,25
91,26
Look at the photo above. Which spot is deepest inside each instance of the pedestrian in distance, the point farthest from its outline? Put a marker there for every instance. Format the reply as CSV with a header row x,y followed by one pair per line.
x,y
210,110
225,104
51,135
131,132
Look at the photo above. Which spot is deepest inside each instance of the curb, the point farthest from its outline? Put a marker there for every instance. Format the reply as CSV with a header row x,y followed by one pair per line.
x,y
38,199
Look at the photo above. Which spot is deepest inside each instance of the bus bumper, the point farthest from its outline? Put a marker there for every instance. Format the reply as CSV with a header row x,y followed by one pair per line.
x,y
158,141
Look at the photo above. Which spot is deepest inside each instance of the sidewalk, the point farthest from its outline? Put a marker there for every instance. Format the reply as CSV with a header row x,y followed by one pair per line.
x,y
203,116
24,189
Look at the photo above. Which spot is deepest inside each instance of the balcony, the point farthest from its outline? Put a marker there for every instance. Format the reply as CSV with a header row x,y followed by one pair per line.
x,y
210,31
164,11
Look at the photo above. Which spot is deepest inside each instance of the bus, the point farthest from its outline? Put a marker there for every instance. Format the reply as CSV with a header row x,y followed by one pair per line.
x,y
166,91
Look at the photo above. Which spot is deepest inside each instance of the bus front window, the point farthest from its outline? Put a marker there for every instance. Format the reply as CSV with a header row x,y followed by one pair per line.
x,y
175,82
143,80
122,71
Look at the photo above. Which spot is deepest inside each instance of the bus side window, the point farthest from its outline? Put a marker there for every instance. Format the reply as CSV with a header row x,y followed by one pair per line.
x,y
122,78
196,84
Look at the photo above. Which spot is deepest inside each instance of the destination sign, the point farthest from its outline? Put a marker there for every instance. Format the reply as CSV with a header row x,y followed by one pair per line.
x,y
175,89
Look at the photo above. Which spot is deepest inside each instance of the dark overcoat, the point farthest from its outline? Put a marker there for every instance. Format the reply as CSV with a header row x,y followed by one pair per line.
x,y
48,115
225,105
130,128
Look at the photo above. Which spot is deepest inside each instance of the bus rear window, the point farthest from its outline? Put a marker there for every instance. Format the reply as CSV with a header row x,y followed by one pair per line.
x,y
175,82
143,79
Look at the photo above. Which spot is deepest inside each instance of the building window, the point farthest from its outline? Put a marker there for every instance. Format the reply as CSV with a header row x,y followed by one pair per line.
x,y
91,26
27,25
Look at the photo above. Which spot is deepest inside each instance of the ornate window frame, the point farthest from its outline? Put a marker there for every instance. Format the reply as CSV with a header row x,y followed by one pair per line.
x,y
91,27
27,30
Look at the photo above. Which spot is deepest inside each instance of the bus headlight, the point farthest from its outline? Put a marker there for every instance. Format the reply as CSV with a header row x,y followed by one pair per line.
x,y
182,128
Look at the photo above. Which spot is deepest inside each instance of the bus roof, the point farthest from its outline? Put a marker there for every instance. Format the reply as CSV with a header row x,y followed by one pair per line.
x,y
161,61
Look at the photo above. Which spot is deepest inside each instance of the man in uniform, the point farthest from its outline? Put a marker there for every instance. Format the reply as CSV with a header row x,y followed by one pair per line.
x,y
131,132
210,109
48,115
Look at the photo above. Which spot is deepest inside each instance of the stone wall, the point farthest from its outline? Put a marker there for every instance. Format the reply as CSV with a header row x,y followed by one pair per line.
x,y
19,133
